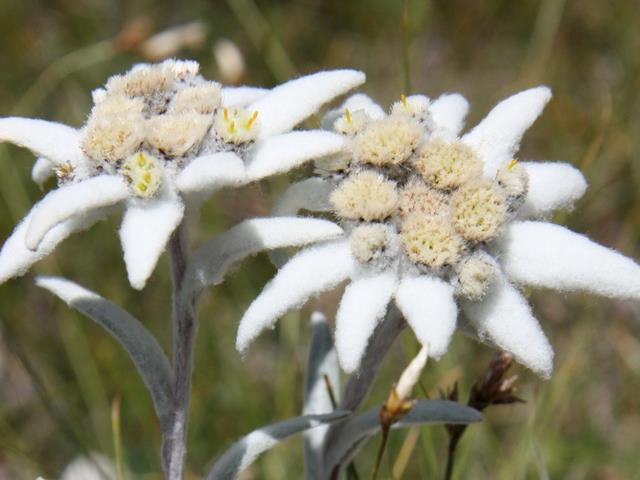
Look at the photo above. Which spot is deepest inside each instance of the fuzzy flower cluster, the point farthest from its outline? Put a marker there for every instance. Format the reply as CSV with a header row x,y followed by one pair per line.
x,y
159,139
445,225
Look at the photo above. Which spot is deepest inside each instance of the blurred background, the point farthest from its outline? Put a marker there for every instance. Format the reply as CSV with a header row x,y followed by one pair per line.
x,y
60,374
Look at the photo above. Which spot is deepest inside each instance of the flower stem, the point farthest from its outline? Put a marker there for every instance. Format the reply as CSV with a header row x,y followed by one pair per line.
x,y
184,328
383,444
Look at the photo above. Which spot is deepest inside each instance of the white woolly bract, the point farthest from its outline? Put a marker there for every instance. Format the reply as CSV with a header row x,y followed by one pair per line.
x,y
16,258
215,257
308,273
310,194
142,347
497,137
98,467
552,185
284,152
144,233
448,113
210,172
428,305
357,101
363,305
57,142
244,452
411,374
42,171
71,200
505,318
546,255
290,103
241,96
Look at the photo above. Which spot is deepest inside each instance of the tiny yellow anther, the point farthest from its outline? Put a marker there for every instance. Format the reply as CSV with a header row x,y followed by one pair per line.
x,y
251,120
226,114
146,176
512,164
347,114
232,126
141,160
142,186
403,99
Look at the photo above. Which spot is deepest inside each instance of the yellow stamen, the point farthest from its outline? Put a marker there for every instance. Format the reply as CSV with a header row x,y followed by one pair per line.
x,y
141,160
251,120
146,176
226,114
347,113
232,126
142,186
403,99
512,164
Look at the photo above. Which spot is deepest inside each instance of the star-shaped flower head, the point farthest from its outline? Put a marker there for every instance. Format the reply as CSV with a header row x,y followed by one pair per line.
x,y
439,223
158,139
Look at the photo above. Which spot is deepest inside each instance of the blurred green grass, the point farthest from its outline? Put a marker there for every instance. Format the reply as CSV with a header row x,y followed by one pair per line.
x,y
59,373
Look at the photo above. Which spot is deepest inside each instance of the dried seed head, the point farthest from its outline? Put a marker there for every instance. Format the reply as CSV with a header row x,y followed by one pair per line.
x,y
368,242
236,125
513,178
203,98
112,138
430,240
365,195
351,123
476,274
388,141
416,197
175,134
144,172
479,210
447,165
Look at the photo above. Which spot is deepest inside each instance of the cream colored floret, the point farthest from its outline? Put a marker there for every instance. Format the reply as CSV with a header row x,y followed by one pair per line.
x,y
351,123
513,178
447,164
175,134
415,106
117,104
368,242
236,125
113,137
476,274
365,195
416,197
430,240
203,98
388,141
479,210
144,173
141,81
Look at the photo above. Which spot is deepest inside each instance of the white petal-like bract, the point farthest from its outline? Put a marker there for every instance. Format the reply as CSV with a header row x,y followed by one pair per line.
x,y
428,306
57,142
241,96
363,305
16,258
552,185
42,171
211,172
288,104
546,255
144,233
282,153
310,272
214,258
505,318
72,200
448,112
310,194
497,138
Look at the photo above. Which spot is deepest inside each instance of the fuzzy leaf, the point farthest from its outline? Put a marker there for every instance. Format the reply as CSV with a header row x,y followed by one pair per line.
x,y
241,96
245,451
142,347
211,172
282,153
42,171
358,429
310,194
552,186
288,104
448,112
73,200
56,142
322,361
357,101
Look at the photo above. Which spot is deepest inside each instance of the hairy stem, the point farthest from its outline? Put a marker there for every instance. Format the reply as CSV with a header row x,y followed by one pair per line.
x,y
184,327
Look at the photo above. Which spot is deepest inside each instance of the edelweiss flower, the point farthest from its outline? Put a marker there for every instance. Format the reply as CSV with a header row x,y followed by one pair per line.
x,y
439,222
158,138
